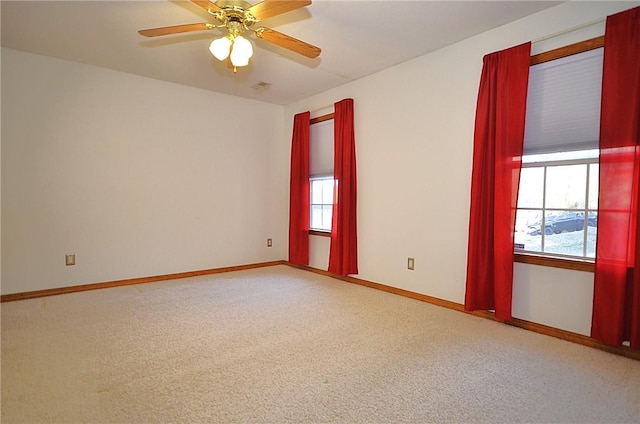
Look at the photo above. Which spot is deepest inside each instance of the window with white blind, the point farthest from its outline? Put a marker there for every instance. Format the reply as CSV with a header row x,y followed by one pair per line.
x,y
557,213
321,182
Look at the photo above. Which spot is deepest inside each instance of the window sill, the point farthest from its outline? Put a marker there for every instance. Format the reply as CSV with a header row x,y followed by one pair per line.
x,y
320,233
572,264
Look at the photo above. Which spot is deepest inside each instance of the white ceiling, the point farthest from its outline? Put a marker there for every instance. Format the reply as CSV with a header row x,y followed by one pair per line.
x,y
357,37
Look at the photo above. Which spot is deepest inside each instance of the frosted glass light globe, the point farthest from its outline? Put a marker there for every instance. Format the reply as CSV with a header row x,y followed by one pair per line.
x,y
241,52
220,48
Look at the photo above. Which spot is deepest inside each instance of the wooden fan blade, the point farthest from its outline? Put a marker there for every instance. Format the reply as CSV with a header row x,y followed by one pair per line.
x,y
288,42
207,5
270,8
154,32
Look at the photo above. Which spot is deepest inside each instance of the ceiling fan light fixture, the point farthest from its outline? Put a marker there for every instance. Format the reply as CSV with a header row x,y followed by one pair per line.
x,y
220,48
241,51
238,16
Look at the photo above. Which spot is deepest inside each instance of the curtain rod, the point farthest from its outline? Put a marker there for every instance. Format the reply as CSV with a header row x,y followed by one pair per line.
x,y
569,30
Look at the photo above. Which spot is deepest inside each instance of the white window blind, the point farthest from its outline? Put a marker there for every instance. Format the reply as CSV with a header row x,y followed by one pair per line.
x,y
563,104
321,148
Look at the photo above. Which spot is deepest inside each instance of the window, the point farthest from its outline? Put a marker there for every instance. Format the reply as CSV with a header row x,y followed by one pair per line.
x,y
558,204
321,182
557,211
321,203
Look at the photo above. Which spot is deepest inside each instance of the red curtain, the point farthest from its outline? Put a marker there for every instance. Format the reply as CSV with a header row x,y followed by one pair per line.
x,y
616,303
343,254
497,151
299,191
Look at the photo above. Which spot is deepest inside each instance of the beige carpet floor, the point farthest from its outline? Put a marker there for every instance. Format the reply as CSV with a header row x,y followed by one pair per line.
x,y
278,344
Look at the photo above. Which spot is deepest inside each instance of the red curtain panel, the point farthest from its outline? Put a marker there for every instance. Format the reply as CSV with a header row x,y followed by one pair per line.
x,y
616,303
343,254
299,191
497,150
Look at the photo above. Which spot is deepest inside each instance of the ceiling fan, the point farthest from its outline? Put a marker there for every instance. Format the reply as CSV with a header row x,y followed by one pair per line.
x,y
238,16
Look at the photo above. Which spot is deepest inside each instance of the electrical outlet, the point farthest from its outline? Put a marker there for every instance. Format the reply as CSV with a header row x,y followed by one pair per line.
x,y
70,260
411,263
269,242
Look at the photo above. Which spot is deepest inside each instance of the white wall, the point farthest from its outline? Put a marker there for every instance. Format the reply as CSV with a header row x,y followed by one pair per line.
x,y
555,297
140,177
414,137
135,176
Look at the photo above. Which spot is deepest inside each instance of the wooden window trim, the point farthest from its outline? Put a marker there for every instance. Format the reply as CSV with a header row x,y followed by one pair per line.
x,y
322,118
320,233
571,49
553,262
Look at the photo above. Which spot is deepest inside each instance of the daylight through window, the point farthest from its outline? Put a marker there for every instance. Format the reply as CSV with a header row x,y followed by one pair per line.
x,y
321,182
558,204
321,203
557,212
